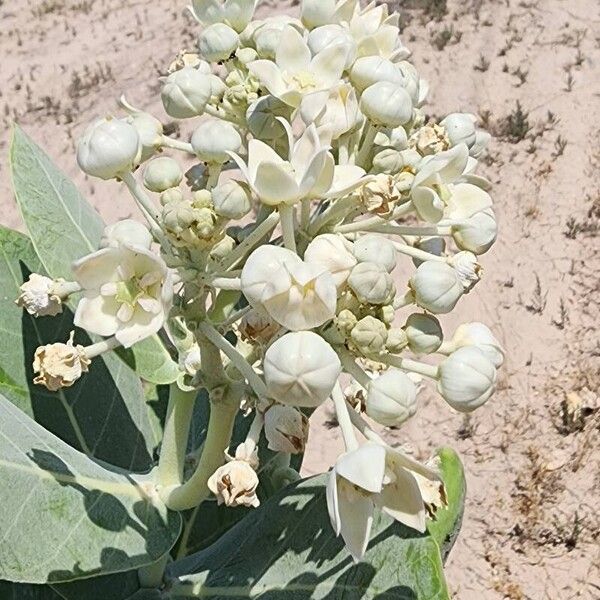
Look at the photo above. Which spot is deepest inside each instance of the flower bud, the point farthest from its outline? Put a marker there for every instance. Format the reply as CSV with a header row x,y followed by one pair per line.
x,y
234,484
467,268
286,429
218,42
333,253
59,365
345,321
369,335
186,92
369,70
460,128
150,132
213,139
371,283
267,35
467,379
396,340
38,298
246,55
376,249
301,369
391,398
388,161
171,196
424,333
387,104
162,174
109,148
231,200
126,231
479,335
482,139
395,138
477,233
436,287
222,248
189,361
329,35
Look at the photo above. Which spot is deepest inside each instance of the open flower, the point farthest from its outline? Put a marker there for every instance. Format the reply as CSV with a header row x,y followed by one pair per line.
x,y
127,292
235,13
295,72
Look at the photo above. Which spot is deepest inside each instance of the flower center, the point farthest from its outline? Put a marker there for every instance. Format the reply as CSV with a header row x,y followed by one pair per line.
x,y
303,81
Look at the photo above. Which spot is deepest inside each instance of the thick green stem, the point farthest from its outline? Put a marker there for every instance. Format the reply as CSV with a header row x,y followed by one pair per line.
x,y
288,227
175,437
408,364
177,144
373,222
363,158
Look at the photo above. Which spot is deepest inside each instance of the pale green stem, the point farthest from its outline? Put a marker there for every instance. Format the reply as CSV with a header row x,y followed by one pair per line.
x,y
341,410
63,289
343,151
366,146
175,437
253,436
336,210
372,222
214,171
288,227
305,214
352,368
101,347
221,114
226,283
418,253
237,360
151,576
141,197
252,240
177,144
402,301
234,317
408,364
409,230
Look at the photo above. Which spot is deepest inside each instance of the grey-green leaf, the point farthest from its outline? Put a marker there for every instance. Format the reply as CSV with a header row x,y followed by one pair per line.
x,y
65,516
27,591
105,412
63,227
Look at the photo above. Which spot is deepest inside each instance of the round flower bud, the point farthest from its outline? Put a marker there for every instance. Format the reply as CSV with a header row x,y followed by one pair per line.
x,y
436,287
388,104
467,268
186,92
329,35
162,174
218,42
376,249
150,132
334,253
371,283
267,35
213,139
222,248
460,128
388,161
261,117
301,369
391,398
126,231
246,55
467,379
368,70
109,148
477,233
424,333
286,429
345,321
369,335
479,335
396,340
231,200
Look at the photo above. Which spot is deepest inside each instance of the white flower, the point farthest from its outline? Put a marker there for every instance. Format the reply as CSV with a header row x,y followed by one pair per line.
x,y
234,484
301,369
235,13
126,231
436,287
295,72
460,128
371,283
286,429
391,398
467,379
369,70
476,233
127,292
376,249
59,365
467,268
38,297
465,200
214,139
266,35
316,13
186,92
109,148
480,336
334,253
327,35
162,173
424,333
387,104
218,42
231,200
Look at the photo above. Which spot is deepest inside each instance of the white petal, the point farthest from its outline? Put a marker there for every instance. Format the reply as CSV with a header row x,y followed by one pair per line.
x,y
444,167
365,467
402,500
269,75
356,518
95,269
345,179
332,501
428,204
259,152
312,174
293,54
325,179
305,148
328,64
274,184
313,105
97,314
140,326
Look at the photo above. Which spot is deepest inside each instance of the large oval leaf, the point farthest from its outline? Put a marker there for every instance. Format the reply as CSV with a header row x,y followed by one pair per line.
x,y
63,227
65,516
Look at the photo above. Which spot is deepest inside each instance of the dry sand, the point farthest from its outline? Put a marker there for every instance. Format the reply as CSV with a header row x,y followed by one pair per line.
x,y
531,528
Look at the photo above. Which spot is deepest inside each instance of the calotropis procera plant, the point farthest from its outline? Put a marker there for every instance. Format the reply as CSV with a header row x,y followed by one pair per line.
x,y
324,224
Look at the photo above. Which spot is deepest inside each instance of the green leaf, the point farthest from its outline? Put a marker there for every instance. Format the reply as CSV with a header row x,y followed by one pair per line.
x,y
116,586
27,591
287,549
63,227
104,414
65,516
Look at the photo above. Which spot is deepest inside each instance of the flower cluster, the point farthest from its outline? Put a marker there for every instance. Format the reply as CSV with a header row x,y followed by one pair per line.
x,y
319,220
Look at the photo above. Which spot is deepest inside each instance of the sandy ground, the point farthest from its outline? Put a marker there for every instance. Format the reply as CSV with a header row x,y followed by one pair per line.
x,y
531,71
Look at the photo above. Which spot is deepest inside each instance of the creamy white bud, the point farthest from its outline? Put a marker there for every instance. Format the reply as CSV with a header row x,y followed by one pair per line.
x,y
391,398
213,139
396,340
386,104
467,379
388,161
424,333
467,268
334,253
482,139
460,128
190,361
222,248
376,249
231,200
371,283
218,42
126,231
286,429
369,335
301,369
477,233
371,69
234,484
436,287
480,336
186,92
108,148
162,173
328,35
38,298
150,132
395,138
